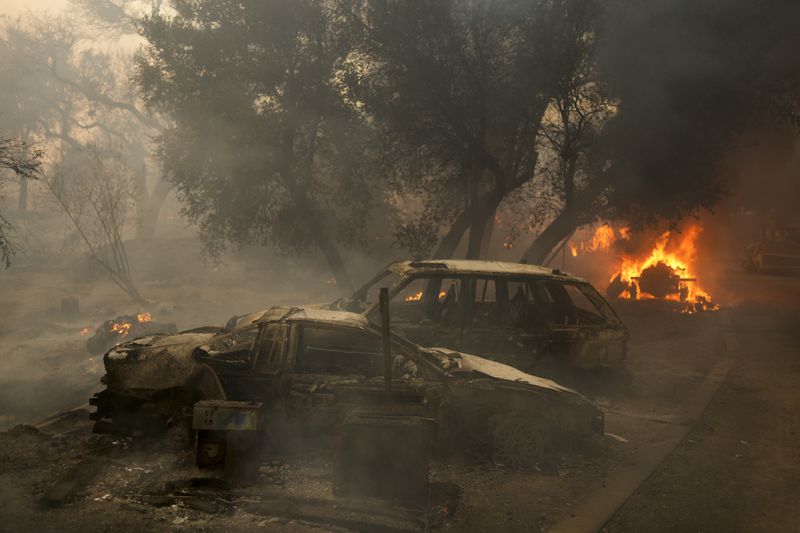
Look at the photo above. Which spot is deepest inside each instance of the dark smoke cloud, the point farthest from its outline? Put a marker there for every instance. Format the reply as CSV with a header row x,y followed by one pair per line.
x,y
695,79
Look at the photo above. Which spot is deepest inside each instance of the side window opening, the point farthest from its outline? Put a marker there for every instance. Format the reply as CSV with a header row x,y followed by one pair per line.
x,y
566,304
271,347
234,346
587,311
369,295
503,302
343,351
435,299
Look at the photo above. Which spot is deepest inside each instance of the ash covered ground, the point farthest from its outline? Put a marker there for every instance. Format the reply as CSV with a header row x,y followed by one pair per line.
x,y
705,425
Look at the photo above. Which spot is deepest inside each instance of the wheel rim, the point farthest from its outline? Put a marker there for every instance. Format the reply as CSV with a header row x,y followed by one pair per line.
x,y
518,444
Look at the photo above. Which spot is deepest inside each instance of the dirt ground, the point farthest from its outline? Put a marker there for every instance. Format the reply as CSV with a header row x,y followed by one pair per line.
x,y
703,439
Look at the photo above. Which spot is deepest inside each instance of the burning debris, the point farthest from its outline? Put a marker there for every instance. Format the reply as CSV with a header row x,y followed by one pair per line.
x,y
666,271
123,328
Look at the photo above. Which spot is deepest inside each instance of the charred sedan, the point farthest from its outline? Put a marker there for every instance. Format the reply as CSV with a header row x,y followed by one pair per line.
x,y
312,368
518,314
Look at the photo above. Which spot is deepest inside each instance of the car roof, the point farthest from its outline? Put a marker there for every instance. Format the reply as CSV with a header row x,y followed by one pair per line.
x,y
468,266
285,313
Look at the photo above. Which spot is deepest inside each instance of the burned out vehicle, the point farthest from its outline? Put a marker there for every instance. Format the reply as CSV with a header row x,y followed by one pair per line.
x,y
780,256
523,315
308,369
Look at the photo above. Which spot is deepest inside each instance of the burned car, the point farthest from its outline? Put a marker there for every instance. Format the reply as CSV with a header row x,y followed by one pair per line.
x,y
780,256
523,315
310,368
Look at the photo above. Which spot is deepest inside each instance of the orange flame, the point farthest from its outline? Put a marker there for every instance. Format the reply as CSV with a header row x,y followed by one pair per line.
x,y
121,328
680,256
602,240
418,296
678,252
144,317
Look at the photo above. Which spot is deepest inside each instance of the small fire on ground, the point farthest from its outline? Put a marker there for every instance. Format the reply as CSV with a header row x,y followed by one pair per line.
x,y
123,327
667,271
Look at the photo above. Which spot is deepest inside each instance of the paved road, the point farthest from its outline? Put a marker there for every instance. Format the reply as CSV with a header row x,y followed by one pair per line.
x,y
739,467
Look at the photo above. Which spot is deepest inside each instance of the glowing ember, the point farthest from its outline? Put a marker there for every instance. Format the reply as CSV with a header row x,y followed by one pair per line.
x,y
144,317
121,328
414,297
85,331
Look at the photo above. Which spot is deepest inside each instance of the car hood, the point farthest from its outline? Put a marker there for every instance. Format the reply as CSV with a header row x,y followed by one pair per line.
x,y
473,363
142,347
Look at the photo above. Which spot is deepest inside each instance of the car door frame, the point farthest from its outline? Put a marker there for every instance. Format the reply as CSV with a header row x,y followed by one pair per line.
x,y
482,337
425,333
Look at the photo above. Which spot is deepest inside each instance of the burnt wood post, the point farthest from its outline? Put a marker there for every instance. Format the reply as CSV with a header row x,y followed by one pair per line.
x,y
387,345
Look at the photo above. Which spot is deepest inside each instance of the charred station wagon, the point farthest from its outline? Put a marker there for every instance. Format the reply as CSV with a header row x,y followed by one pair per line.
x,y
518,314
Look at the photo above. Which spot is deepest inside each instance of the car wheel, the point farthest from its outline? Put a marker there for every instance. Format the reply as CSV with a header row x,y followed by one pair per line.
x,y
519,443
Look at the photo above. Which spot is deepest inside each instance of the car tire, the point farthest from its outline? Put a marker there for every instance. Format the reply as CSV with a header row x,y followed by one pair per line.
x,y
520,443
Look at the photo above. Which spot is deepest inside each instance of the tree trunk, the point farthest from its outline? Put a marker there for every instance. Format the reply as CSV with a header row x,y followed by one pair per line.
x,y
488,231
475,238
450,241
480,225
323,242
308,213
566,222
23,194
552,235
333,258
481,231
476,213
146,229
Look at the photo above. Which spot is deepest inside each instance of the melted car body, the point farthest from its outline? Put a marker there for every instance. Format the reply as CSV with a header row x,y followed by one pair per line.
x,y
310,368
514,313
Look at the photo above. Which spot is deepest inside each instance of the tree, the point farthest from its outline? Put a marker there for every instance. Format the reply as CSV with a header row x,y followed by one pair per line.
x,y
93,188
461,89
690,77
264,146
17,157
64,93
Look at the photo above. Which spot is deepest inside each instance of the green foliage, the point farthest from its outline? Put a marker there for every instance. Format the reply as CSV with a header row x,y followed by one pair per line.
x,y
264,147
459,89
